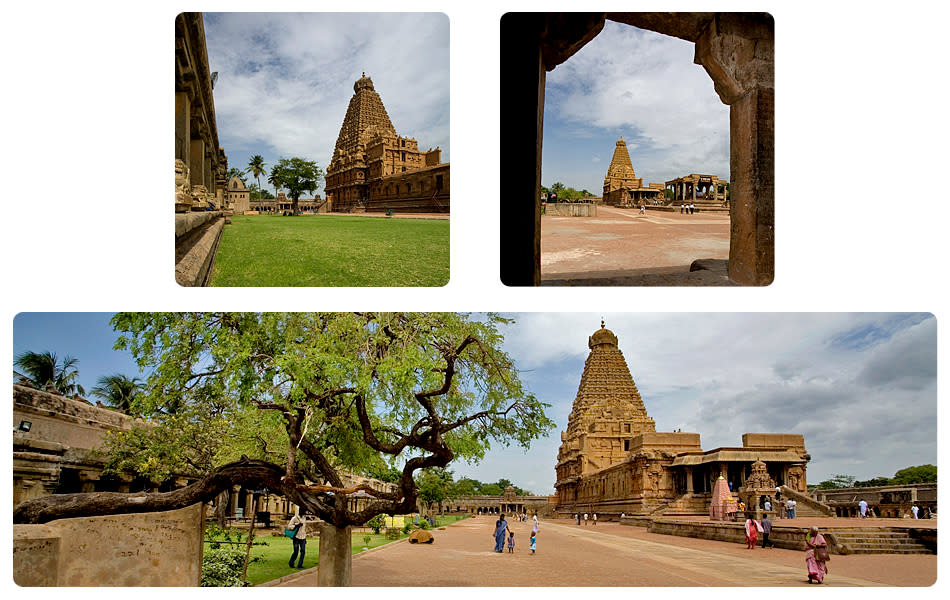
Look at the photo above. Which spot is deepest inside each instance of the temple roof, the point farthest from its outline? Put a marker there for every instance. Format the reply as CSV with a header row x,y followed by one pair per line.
x,y
365,117
607,390
620,165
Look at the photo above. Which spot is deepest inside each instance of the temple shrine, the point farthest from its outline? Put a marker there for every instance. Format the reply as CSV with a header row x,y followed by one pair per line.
x,y
622,187
612,460
695,188
374,169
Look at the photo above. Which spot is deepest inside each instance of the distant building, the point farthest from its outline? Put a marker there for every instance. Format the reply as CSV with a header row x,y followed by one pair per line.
x,y
622,187
695,188
374,169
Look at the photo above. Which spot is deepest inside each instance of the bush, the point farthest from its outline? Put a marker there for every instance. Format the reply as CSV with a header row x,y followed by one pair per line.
x,y
407,527
376,523
222,567
393,533
423,524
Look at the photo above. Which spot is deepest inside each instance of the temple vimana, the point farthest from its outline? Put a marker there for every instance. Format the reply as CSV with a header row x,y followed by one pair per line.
x,y
612,460
375,169
622,187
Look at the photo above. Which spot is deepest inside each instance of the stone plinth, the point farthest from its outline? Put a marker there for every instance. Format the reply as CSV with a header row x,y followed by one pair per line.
x,y
141,550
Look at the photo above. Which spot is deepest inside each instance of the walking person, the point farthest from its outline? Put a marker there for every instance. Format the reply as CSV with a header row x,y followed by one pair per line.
x,y
534,526
790,508
863,507
766,530
914,509
534,543
299,525
751,533
511,542
585,519
816,556
578,517
768,505
595,518
501,530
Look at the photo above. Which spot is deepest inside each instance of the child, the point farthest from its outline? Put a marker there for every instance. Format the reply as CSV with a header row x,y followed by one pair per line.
x,y
511,541
533,543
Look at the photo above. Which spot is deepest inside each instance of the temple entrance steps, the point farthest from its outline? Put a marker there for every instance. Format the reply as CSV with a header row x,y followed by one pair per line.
x,y
872,540
806,505
686,505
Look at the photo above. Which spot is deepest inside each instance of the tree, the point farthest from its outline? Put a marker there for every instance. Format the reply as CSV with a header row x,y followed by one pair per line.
x,y
43,368
255,167
298,176
837,481
316,394
558,187
919,474
873,482
118,391
433,485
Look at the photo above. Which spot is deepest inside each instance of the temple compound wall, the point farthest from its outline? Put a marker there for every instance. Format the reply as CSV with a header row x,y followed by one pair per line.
x,y
200,163
375,169
612,460
888,501
507,503
622,187
57,442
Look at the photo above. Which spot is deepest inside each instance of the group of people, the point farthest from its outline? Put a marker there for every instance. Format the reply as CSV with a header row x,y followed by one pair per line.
x,y
816,548
502,530
687,208
577,517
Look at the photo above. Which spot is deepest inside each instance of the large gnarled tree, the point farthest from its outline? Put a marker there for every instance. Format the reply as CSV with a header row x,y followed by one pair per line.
x,y
348,391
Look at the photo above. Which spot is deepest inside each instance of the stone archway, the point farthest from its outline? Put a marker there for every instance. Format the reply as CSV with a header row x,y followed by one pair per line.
x,y
735,49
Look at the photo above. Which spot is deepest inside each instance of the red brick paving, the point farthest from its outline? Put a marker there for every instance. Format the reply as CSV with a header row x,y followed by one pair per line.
x,y
610,554
622,242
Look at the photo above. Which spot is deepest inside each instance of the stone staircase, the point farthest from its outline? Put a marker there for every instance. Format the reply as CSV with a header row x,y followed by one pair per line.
x,y
806,506
684,506
870,540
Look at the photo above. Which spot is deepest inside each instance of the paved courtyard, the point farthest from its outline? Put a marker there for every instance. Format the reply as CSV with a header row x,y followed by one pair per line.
x,y
609,554
620,243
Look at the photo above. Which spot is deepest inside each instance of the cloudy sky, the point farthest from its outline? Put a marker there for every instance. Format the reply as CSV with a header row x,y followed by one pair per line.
x,y
644,87
285,79
861,387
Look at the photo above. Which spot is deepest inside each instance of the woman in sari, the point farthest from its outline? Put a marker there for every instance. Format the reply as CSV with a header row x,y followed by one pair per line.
x,y
501,530
816,556
751,533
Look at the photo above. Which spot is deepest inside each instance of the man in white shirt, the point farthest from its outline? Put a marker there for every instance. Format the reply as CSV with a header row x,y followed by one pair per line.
x,y
299,539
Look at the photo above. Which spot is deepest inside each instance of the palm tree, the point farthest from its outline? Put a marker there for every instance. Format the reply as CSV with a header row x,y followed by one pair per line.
x,y
118,391
256,168
275,179
43,368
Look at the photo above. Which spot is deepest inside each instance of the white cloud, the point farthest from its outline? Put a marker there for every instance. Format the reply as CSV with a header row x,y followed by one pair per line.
x,y
861,388
631,80
285,79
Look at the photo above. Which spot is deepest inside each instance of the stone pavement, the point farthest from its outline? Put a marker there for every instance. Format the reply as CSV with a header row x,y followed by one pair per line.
x,y
610,555
623,247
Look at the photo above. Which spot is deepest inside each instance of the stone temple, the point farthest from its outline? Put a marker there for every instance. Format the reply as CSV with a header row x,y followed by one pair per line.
x,y
612,460
374,169
622,187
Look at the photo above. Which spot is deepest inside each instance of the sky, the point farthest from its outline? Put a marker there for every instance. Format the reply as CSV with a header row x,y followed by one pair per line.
x,y
285,79
861,387
644,87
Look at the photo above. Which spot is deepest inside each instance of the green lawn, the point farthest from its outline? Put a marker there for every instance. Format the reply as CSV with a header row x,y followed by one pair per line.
x,y
275,554
332,251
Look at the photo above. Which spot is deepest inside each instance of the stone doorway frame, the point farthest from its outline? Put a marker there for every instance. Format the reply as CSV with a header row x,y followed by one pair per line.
x,y
737,50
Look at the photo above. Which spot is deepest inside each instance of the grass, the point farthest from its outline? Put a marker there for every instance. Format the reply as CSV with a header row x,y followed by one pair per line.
x,y
275,554
332,251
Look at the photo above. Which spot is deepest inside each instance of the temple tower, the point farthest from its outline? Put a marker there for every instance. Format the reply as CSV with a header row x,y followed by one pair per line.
x,y
620,172
607,412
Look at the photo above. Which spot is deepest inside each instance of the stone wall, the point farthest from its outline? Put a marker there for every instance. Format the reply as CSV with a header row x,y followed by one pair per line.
x,y
571,209
142,550
196,240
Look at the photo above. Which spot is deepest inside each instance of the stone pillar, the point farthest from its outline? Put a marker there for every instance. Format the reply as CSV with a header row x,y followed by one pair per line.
x,y
183,127
737,50
336,546
197,161
689,480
